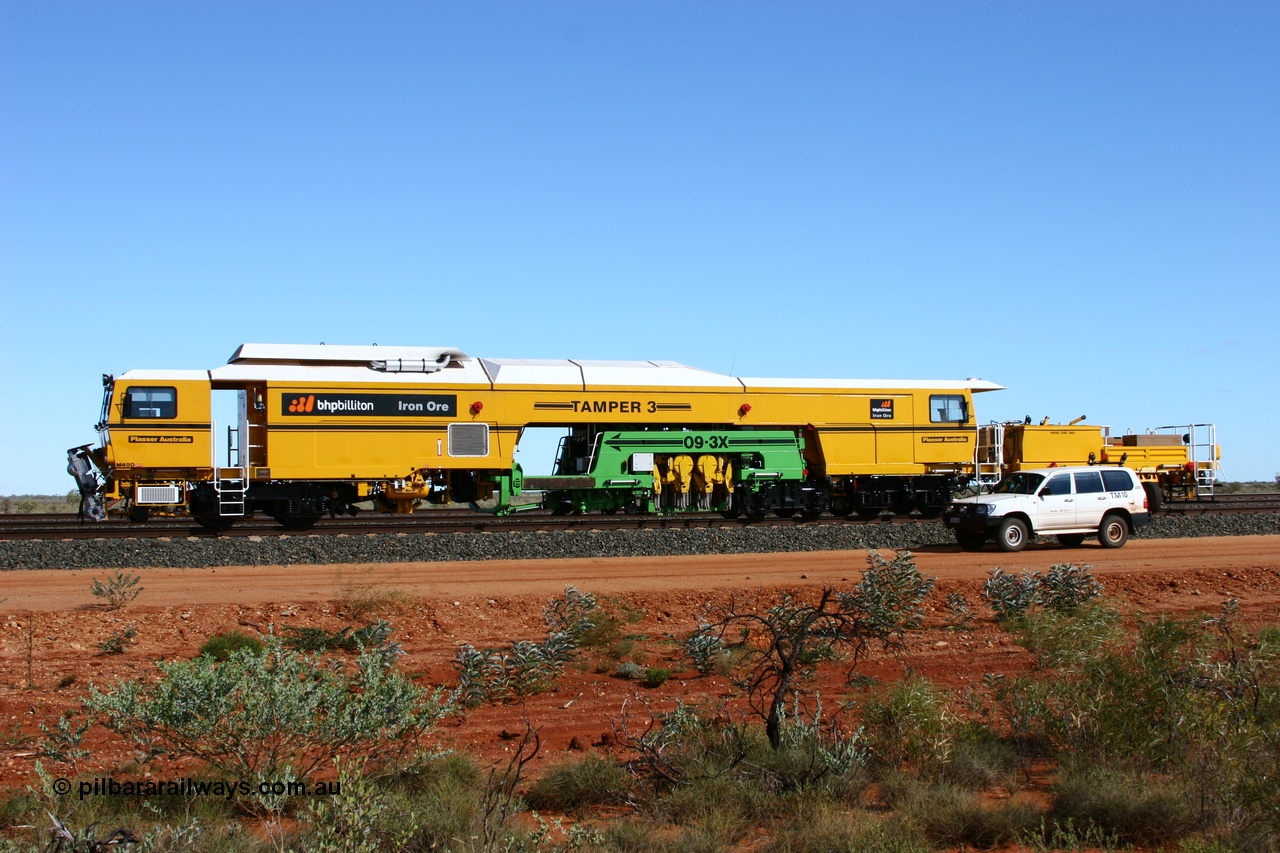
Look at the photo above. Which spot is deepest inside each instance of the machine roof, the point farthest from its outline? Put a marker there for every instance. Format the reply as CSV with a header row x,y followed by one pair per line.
x,y
451,366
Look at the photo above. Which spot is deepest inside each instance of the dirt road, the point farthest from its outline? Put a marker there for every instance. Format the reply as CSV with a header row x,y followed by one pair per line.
x,y
1152,561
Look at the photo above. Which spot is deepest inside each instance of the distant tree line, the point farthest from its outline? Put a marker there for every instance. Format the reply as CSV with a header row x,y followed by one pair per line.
x,y
28,504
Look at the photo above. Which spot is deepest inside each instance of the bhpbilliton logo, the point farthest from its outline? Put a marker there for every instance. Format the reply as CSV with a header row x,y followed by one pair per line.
x,y
300,405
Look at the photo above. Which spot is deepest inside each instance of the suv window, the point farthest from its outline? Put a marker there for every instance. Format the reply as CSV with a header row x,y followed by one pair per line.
x,y
1059,484
1117,480
145,402
948,409
1088,482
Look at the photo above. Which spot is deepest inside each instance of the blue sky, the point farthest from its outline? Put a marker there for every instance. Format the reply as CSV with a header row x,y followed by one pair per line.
x,y
1080,201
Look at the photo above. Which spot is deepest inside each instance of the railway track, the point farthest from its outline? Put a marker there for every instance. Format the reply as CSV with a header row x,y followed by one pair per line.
x,y
67,526
1225,504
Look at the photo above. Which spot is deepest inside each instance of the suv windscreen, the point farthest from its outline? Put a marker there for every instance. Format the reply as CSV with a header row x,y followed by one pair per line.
x,y
1021,483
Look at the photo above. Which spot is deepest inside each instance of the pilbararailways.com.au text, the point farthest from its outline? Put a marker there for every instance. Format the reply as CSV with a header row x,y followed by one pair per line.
x,y
109,786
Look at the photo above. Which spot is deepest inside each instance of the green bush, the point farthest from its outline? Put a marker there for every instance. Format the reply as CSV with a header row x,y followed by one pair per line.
x,y
1063,588
222,646
950,815
593,781
909,723
264,715
836,829
118,641
656,676
118,589
1131,806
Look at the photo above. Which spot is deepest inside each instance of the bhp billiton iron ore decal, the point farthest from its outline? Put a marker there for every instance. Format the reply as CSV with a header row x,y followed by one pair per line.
x,y
372,405
882,410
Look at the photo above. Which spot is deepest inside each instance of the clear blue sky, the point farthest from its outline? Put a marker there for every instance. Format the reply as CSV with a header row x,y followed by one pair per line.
x,y
1080,201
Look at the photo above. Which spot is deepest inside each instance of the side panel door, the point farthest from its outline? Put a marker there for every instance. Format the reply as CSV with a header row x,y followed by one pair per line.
x,y
1057,504
1091,500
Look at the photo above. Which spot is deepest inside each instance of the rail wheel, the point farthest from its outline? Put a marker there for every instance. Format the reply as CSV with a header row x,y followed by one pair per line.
x,y
1113,532
1071,540
1012,535
296,522
929,511
868,512
214,521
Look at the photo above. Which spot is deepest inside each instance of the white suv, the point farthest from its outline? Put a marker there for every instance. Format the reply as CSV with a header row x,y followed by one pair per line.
x,y
1070,503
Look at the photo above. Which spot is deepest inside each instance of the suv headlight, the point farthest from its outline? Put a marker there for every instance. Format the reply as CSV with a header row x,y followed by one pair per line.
x,y
982,509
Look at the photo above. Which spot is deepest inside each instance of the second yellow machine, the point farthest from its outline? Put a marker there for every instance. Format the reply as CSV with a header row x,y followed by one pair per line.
x,y
322,428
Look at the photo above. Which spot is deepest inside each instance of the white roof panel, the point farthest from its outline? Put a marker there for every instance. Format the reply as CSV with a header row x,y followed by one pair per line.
x,y
344,354
641,374
162,375
527,372
872,386
469,375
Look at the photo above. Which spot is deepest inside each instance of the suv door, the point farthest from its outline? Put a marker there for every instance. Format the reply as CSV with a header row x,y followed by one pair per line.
x,y
1056,508
1092,501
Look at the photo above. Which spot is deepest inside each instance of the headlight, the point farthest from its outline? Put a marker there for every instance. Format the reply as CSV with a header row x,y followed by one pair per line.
x,y
982,509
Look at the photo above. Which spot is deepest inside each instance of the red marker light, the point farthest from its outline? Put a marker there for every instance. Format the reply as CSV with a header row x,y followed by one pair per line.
x,y
743,409
476,407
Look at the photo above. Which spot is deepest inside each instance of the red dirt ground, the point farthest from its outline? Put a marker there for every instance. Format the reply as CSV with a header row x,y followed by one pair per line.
x,y
435,608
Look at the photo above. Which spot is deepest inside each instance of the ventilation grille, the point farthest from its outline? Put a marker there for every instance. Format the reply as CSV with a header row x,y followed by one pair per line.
x,y
468,439
158,495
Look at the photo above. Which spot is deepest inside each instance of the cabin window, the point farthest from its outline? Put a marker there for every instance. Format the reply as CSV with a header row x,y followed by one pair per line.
x,y
1088,482
142,401
948,409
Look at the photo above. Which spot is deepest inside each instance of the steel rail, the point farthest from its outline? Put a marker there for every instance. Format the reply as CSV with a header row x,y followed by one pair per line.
x,y
450,520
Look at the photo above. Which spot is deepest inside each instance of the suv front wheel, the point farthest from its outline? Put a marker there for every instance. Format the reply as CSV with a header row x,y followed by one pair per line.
x,y
1114,531
1012,535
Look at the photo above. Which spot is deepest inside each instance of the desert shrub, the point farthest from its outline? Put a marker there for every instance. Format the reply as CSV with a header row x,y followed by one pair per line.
x,y
118,590
309,638
259,715
1063,588
833,828
593,781
523,668
814,754
949,815
118,641
781,643
721,802
629,670
1132,806
362,820
1197,704
574,614
704,648
960,615
656,676
221,646
909,723
1068,640
980,760
526,667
